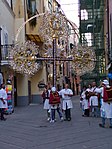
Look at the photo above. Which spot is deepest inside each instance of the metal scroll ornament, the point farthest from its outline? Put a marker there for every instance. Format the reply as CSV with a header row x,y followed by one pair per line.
x,y
23,56
53,26
83,59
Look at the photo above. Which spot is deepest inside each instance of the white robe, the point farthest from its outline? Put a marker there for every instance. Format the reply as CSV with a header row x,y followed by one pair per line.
x,y
3,95
93,101
85,104
46,104
106,108
67,102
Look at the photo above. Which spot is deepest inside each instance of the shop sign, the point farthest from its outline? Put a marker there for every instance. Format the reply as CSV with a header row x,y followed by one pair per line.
x,y
41,85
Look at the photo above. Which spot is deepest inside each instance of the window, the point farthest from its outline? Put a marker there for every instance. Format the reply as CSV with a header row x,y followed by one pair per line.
x,y
4,42
31,6
50,5
84,15
31,10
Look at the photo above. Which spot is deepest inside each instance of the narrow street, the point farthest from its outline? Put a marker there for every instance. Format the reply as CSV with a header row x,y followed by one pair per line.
x,y
27,128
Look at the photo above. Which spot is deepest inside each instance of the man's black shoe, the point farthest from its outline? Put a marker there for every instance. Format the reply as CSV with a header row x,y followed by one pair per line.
x,y
69,119
3,119
65,119
110,127
101,125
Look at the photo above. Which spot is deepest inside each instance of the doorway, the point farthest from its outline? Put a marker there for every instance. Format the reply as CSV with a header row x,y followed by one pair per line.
x,y
15,91
29,92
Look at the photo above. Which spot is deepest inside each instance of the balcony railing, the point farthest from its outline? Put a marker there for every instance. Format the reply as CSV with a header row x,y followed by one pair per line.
x,y
5,53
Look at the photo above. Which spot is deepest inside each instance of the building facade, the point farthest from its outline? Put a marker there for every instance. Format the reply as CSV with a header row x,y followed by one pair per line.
x,y
108,36
92,33
7,33
26,88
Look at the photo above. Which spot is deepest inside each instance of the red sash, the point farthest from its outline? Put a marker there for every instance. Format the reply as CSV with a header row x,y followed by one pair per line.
x,y
107,95
54,98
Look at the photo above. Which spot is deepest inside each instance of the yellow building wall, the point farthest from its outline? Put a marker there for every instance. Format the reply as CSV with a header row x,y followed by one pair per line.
x,y
19,9
34,30
22,82
39,76
19,19
21,36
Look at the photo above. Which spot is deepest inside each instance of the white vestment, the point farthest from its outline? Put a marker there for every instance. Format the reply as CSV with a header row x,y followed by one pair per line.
x,y
67,102
3,95
106,108
93,101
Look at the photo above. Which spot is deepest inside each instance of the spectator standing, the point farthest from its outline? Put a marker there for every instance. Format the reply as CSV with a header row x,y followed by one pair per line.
x,y
89,88
3,101
54,101
85,104
45,96
93,100
82,97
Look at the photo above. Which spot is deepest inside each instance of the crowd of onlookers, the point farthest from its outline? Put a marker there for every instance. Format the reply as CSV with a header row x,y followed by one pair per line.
x,y
97,101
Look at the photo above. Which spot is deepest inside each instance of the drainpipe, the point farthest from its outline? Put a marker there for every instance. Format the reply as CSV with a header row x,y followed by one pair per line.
x,y
108,30
25,11
108,39
11,5
0,49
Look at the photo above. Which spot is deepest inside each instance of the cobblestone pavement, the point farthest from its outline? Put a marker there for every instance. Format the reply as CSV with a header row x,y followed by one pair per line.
x,y
27,128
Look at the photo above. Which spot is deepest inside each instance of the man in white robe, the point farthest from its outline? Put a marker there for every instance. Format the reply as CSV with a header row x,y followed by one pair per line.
x,y
66,94
93,101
